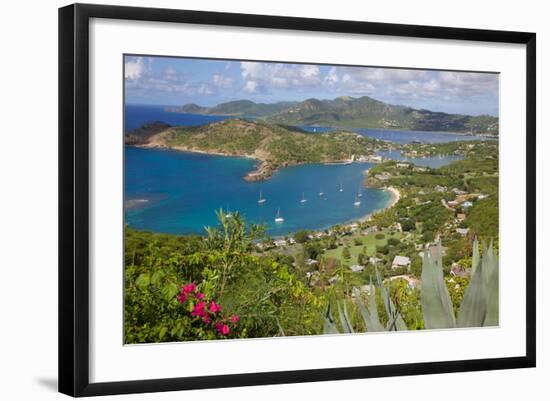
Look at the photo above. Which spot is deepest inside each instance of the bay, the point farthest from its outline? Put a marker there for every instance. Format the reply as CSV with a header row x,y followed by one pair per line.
x,y
178,192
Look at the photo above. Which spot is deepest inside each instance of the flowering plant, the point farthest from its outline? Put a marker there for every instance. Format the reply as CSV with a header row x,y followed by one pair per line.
x,y
206,311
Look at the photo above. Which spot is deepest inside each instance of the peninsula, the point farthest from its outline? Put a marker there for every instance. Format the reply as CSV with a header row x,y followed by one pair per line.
x,y
272,145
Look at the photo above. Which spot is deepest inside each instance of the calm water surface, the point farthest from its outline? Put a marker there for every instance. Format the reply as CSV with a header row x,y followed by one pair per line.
x,y
177,192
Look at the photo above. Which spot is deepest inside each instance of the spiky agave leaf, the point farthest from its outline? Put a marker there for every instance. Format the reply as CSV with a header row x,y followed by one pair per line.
x,y
492,290
489,262
395,321
344,318
473,308
475,256
330,324
437,306
370,314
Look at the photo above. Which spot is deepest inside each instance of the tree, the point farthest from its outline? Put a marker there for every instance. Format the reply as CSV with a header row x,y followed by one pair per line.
x,y
428,236
393,241
301,236
346,253
408,225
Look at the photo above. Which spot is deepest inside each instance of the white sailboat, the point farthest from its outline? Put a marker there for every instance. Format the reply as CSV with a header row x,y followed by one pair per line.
x,y
278,218
303,200
357,201
360,193
341,188
321,193
262,199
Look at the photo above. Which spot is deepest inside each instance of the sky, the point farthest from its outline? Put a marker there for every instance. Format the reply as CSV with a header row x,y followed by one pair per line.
x,y
178,81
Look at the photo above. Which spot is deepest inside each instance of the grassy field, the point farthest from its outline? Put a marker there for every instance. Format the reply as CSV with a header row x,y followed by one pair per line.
x,y
369,241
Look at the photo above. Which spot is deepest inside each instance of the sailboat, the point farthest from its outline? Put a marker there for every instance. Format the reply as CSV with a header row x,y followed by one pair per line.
x,y
341,188
262,199
360,193
357,201
303,200
321,193
278,218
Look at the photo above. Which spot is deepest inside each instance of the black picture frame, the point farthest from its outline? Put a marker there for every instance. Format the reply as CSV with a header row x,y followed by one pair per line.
x,y
74,198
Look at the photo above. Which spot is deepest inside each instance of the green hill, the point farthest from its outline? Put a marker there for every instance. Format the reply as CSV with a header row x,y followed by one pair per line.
x,y
238,108
274,145
349,112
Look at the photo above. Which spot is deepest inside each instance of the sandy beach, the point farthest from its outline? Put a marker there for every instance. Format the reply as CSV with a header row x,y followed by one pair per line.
x,y
396,195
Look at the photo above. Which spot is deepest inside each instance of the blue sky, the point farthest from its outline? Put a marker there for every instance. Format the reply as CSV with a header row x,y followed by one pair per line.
x,y
177,81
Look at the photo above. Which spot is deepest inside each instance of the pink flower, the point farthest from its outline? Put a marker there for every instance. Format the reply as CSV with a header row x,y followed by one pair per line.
x,y
222,328
234,318
206,319
199,295
198,310
182,298
189,288
214,307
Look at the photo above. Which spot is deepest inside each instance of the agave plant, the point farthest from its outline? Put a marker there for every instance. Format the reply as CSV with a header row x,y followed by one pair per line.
x,y
479,306
368,312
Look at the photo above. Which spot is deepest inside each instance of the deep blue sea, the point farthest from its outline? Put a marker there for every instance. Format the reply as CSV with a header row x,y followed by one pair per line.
x,y
178,192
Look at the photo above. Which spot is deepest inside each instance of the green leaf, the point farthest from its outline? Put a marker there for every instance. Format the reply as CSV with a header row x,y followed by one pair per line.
x,y
162,332
169,291
157,276
437,307
143,280
475,257
492,288
474,305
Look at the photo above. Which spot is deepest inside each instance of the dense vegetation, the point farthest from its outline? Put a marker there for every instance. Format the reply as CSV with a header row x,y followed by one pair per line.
x,y
363,112
260,292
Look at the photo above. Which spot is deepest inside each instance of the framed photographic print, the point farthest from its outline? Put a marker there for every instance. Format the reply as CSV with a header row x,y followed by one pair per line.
x,y
249,199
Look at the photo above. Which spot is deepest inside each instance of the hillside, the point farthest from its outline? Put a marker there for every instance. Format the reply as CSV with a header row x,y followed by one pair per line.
x,y
273,145
362,112
237,108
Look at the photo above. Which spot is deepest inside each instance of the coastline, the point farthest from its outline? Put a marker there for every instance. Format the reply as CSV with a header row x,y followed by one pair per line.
x,y
395,196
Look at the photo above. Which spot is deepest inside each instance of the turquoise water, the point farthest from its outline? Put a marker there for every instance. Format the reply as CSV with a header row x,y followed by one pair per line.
x,y
178,192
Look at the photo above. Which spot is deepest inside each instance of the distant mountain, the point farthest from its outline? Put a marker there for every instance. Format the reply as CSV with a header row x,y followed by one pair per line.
x,y
365,112
349,112
237,108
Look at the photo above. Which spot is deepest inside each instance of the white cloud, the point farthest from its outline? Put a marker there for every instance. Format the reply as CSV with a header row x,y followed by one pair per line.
x,y
263,77
222,81
400,84
250,86
133,69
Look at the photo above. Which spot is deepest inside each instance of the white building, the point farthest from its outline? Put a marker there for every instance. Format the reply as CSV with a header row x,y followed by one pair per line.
x,y
401,261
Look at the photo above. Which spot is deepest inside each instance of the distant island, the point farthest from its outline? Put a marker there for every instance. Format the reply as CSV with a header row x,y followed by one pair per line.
x,y
273,145
350,112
